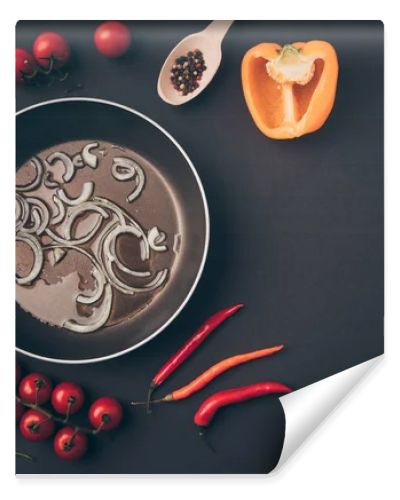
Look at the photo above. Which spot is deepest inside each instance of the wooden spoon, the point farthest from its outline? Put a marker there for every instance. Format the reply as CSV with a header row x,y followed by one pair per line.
x,y
209,42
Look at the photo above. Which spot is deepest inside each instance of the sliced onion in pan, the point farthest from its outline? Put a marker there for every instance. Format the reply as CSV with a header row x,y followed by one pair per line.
x,y
36,162
98,291
81,210
79,241
39,214
69,169
49,181
124,169
97,319
109,248
60,214
101,314
87,192
89,158
156,238
21,211
34,244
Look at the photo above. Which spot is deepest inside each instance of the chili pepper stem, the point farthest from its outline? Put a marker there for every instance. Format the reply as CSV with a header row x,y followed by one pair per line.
x,y
203,437
202,431
152,387
153,401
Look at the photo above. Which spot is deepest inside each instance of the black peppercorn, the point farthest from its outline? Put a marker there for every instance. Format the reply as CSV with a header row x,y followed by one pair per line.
x,y
187,71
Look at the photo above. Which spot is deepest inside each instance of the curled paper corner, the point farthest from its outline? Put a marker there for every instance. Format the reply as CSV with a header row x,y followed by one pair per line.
x,y
307,408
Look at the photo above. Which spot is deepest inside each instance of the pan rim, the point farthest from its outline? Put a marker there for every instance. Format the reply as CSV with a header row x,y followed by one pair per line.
x,y
206,239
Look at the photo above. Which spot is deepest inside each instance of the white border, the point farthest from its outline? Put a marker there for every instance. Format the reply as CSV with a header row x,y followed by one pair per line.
x,y
206,243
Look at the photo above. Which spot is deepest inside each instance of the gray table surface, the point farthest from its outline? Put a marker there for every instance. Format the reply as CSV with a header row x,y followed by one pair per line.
x,y
296,234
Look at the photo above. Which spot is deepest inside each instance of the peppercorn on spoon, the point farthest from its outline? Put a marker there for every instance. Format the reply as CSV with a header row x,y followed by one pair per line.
x,y
209,43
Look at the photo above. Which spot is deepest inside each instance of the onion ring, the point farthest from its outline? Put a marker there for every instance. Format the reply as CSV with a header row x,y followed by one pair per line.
x,y
36,162
60,214
87,192
40,215
124,169
37,263
89,158
69,169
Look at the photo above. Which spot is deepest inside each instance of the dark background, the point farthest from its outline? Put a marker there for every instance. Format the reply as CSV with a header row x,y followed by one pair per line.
x,y
296,234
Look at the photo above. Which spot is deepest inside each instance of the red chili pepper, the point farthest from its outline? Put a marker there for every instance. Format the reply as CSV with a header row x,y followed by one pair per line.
x,y
189,347
211,405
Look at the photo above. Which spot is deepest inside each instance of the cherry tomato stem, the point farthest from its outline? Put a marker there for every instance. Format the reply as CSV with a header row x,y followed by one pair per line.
x,y
70,443
51,50
24,455
67,398
36,426
60,420
105,414
35,388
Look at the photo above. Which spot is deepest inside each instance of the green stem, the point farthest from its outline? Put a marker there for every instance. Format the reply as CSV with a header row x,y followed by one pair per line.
x,y
24,455
50,415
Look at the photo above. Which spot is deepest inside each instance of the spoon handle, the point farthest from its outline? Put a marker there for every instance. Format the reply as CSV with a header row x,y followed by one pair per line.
x,y
218,29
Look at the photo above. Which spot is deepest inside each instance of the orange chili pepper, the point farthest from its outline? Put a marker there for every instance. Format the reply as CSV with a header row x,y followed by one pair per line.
x,y
290,90
214,371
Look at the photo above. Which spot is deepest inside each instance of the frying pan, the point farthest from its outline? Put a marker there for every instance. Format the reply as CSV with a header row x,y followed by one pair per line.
x,y
54,122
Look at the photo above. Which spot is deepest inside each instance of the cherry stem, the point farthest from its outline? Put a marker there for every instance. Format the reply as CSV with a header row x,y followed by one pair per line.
x,y
99,428
70,443
24,455
38,386
49,73
50,67
50,415
71,401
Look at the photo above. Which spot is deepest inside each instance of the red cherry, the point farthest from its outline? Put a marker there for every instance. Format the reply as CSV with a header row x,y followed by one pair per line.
x,y
67,398
36,426
105,413
19,410
25,65
51,45
112,38
35,388
70,444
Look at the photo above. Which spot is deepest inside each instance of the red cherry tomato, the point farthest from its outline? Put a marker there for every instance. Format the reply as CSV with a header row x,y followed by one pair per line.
x,y
51,45
67,397
25,65
19,411
17,372
112,38
70,444
35,388
105,412
35,426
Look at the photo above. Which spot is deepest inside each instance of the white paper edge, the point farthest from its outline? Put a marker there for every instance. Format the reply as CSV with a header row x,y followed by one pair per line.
x,y
305,409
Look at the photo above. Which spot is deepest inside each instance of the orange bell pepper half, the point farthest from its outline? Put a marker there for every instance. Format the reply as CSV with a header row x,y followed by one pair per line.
x,y
290,90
